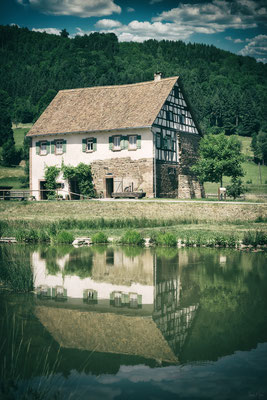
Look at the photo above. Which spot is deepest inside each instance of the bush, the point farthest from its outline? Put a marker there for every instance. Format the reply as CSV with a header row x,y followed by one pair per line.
x,y
254,238
165,239
62,237
132,237
99,237
236,188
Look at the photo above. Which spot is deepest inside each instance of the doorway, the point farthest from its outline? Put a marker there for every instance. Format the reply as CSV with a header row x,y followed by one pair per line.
x,y
43,192
109,187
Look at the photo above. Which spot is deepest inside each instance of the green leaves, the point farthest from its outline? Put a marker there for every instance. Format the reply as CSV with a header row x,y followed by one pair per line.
x,y
219,156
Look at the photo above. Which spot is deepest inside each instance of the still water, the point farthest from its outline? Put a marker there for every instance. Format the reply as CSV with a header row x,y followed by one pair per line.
x,y
127,323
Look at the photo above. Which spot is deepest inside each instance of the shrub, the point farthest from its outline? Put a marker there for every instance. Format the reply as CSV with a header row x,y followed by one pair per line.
x,y
254,238
63,237
99,237
132,237
166,239
236,188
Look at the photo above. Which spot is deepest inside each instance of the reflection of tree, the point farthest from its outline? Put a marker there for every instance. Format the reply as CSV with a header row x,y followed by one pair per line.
x,y
80,262
51,254
233,304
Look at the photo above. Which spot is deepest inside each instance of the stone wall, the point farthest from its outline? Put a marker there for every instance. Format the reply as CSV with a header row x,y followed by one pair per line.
x,y
128,171
188,185
167,182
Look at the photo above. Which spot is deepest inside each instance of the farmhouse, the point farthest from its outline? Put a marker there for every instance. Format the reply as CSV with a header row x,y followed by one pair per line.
x,y
140,137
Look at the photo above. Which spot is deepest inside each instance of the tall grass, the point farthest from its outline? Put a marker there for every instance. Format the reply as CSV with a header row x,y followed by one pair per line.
x,y
17,275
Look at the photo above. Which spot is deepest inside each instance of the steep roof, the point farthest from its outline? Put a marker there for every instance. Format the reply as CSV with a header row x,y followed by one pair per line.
x,y
106,333
104,108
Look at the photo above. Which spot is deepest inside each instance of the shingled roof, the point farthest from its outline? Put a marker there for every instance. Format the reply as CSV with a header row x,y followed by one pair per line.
x,y
104,108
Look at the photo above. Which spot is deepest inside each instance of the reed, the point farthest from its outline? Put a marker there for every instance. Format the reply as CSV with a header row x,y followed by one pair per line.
x,y
17,275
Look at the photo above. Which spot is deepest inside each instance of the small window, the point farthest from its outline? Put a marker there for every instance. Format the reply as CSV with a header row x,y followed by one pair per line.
x,y
116,143
59,146
43,148
90,144
181,119
132,142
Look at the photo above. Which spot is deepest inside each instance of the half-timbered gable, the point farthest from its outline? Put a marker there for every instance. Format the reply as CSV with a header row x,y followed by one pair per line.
x,y
133,136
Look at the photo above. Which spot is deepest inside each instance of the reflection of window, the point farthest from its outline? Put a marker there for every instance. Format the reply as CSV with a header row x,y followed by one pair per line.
x,y
59,146
116,143
132,142
117,299
133,300
43,148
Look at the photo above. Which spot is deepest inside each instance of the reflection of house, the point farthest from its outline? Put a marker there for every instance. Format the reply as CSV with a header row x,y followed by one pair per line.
x,y
132,295
106,333
130,275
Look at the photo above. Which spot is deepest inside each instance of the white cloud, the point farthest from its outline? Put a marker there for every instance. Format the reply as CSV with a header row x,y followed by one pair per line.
x,y
107,23
139,31
130,9
51,31
234,40
79,8
13,24
217,16
256,47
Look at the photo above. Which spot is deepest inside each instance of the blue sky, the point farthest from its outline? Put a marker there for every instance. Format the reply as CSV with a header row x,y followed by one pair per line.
x,y
235,25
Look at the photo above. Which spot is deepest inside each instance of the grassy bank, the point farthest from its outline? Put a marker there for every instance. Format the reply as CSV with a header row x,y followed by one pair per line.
x,y
45,221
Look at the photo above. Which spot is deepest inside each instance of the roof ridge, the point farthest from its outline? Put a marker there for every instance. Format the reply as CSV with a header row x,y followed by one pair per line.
x,y
119,86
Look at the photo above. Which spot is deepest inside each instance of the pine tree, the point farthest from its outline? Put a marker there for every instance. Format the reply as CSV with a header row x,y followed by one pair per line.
x,y
5,120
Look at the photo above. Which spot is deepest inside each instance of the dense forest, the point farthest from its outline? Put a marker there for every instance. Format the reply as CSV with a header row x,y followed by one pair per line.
x,y
228,92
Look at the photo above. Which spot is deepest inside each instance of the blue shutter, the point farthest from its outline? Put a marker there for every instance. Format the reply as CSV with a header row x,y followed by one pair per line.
x,y
94,144
37,146
110,139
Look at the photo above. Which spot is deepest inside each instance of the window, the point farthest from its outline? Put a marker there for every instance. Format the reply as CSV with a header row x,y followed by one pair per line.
x,y
181,119
59,146
90,144
116,143
43,148
133,142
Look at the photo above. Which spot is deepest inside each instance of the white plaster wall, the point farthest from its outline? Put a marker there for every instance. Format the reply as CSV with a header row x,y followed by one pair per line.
x,y
74,154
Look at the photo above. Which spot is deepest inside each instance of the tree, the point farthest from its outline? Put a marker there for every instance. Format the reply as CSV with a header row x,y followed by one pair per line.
x,y
10,156
64,33
5,120
259,147
219,156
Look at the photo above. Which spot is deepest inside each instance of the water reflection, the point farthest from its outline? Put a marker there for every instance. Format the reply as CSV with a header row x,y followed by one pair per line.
x,y
100,308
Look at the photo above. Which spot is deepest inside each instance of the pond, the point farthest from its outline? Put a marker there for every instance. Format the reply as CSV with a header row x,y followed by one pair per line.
x,y
120,323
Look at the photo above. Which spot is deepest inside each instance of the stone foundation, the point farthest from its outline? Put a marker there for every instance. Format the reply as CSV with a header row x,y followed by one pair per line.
x,y
125,172
166,177
188,185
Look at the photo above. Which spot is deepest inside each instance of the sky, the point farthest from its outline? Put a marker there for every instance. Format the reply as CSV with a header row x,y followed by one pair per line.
x,y
239,26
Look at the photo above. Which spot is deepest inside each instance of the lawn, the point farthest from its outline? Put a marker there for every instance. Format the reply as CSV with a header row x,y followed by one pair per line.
x,y
19,134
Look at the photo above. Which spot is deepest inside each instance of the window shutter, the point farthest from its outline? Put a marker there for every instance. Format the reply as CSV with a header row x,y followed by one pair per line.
x,y
110,139
126,142
138,144
65,293
94,144
84,145
47,147
122,144
64,146
37,146
53,147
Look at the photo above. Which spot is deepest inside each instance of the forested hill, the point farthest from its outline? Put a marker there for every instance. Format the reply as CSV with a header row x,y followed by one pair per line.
x,y
228,92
